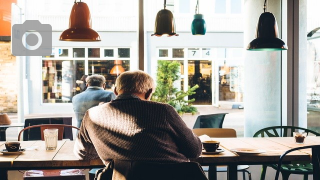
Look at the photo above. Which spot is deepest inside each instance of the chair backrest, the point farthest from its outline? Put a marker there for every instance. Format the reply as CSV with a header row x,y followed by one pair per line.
x,y
34,133
282,131
42,127
315,149
215,132
210,121
142,170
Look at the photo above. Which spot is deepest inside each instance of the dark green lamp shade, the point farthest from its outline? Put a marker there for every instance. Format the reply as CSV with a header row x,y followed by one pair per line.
x,y
165,24
198,26
267,35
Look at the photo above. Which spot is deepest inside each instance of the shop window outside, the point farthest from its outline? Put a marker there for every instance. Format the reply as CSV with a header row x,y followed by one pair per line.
x,y
63,70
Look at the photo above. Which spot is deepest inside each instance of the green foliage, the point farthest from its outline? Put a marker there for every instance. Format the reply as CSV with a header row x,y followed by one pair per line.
x,y
167,74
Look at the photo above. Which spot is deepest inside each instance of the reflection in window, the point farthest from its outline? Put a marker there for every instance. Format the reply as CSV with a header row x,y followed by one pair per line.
x,y
78,52
94,52
108,53
63,53
59,79
124,52
200,73
110,69
178,53
163,53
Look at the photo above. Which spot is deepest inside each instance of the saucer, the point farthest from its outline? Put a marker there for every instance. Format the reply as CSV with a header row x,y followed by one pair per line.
x,y
247,151
218,151
5,152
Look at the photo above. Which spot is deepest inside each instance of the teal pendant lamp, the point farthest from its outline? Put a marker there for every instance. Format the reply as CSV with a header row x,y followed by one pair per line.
x,y
198,26
267,34
165,24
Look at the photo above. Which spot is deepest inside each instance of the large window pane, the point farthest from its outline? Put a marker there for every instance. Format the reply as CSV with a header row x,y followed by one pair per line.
x,y
220,7
59,80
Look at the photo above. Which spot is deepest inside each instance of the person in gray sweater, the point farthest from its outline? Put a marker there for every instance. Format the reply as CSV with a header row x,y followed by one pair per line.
x,y
92,96
133,128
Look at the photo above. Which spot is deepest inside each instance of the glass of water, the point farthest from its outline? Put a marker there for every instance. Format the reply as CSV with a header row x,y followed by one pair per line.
x,y
51,138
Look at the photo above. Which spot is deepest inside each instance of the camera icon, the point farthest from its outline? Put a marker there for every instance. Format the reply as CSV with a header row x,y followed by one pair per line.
x,y
31,39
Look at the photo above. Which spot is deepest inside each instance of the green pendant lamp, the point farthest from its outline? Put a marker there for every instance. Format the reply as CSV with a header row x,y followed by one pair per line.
x,y
267,34
80,25
164,24
198,26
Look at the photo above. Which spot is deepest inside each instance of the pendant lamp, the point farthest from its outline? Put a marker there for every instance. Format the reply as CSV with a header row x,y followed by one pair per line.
x,y
80,25
164,24
117,69
267,34
198,26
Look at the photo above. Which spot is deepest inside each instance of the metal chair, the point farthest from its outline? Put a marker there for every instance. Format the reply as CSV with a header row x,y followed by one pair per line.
x,y
74,174
286,131
222,133
210,121
315,161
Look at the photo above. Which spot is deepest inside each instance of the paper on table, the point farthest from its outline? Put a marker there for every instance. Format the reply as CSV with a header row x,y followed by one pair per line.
x,y
204,138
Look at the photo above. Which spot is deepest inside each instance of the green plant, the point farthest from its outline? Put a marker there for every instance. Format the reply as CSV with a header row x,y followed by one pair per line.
x,y
167,74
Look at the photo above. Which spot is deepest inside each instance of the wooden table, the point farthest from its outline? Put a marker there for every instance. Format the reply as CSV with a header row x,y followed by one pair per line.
x,y
63,157
3,129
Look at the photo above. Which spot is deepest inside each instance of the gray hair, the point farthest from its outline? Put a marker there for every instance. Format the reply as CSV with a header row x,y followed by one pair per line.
x,y
134,82
96,80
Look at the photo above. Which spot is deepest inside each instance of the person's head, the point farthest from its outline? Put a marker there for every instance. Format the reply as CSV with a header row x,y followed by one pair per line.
x,y
96,80
84,77
135,82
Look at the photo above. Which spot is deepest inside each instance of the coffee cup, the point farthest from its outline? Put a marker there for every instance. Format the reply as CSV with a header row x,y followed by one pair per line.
x,y
210,146
299,137
12,146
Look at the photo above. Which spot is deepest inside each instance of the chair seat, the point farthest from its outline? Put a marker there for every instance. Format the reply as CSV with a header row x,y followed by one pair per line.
x,y
225,168
53,174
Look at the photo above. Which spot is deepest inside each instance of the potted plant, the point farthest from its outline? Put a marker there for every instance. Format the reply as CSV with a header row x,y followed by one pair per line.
x,y
168,73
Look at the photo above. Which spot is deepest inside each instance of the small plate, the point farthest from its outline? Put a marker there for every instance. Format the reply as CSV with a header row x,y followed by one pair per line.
x,y
5,152
218,151
247,151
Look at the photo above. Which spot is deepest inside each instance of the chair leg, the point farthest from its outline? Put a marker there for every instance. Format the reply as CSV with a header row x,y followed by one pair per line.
x,y
249,174
243,175
285,175
305,177
263,172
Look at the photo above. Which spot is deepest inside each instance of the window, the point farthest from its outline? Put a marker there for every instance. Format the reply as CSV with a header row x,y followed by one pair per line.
x,y
220,7
62,71
235,6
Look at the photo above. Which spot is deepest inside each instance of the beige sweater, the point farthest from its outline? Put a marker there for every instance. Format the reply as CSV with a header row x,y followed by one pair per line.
x,y
132,129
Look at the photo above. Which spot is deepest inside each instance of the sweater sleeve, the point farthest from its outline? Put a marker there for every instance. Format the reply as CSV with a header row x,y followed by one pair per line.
x,y
188,143
83,148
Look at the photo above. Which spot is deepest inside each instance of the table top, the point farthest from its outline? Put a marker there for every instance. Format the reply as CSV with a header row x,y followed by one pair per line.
x,y
63,156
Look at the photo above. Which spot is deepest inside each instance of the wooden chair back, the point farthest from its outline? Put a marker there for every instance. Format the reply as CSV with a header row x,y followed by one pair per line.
x,y
42,127
216,132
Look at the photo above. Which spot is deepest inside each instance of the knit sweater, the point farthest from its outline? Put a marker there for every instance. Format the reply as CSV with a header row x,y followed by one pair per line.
x,y
132,129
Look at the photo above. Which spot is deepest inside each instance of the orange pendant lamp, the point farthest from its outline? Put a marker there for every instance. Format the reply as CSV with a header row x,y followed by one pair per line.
x,y
117,69
80,25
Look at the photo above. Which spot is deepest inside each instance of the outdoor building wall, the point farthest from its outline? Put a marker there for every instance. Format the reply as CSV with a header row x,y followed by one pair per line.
x,y
8,79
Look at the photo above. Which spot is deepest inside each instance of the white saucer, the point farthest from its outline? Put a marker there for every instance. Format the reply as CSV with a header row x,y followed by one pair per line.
x,y
218,151
247,151
5,152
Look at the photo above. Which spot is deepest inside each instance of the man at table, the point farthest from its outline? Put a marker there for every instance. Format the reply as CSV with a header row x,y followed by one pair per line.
x,y
132,127
92,96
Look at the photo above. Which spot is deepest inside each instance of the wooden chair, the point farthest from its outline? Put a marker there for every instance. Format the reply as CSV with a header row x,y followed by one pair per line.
x,y
286,169
222,133
71,174
210,121
34,134
315,149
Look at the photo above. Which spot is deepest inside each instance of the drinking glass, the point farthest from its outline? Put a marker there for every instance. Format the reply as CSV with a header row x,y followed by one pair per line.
x,y
51,138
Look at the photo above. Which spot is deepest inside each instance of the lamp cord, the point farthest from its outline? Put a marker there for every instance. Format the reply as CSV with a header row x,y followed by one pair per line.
x,y
265,6
197,8
165,4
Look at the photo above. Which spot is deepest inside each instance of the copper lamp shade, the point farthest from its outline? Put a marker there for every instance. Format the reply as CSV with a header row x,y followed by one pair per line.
x,y
165,24
267,34
117,68
4,119
80,25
